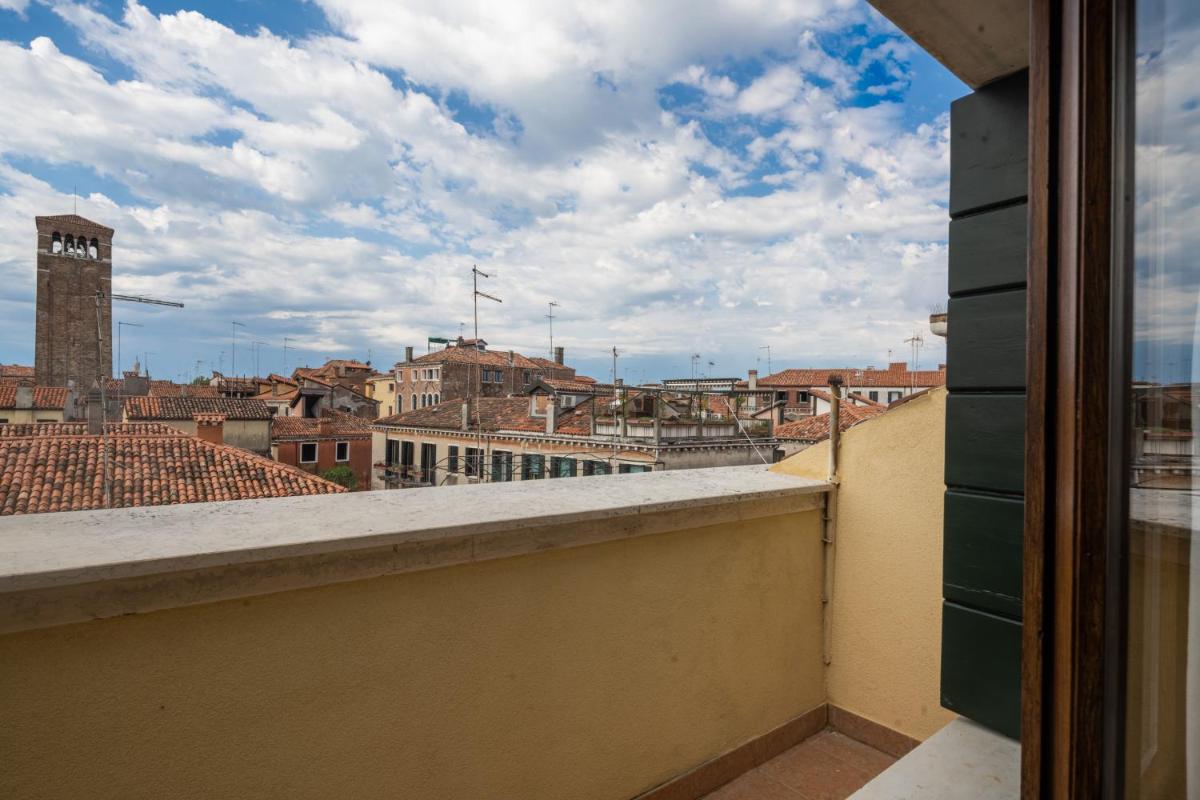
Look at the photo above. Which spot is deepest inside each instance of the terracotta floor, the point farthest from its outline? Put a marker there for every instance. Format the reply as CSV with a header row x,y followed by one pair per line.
x,y
828,766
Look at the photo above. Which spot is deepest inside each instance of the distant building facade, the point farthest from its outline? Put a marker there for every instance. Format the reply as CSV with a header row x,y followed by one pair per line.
x,y
317,445
73,335
552,434
246,423
801,389
467,368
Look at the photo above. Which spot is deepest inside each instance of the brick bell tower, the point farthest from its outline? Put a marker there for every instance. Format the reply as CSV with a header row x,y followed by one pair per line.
x,y
74,263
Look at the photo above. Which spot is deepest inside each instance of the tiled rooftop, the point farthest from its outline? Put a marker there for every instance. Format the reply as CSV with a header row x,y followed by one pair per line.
x,y
341,426
54,467
141,408
491,414
471,355
897,374
44,397
816,428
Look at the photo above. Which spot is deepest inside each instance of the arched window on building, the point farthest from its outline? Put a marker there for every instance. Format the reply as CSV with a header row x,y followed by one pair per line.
x,y
93,249
56,244
437,398
69,246
414,402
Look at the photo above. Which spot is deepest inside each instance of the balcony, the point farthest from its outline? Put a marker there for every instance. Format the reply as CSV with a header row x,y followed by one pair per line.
x,y
630,636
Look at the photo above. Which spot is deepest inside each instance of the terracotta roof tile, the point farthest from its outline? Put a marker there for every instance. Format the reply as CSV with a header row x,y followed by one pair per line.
x,y
896,374
342,426
816,428
44,397
472,355
489,414
45,468
142,408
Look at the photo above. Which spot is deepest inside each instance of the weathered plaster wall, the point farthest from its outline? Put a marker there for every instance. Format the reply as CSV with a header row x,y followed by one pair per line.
x,y
594,672
887,596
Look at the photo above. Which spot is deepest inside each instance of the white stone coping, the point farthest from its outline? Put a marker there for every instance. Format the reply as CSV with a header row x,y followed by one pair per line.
x,y
70,566
962,760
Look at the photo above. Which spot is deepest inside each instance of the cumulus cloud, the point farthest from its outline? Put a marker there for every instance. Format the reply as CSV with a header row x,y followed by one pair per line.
x,y
336,188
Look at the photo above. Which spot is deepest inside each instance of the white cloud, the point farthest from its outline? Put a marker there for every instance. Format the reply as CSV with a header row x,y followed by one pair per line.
x,y
295,185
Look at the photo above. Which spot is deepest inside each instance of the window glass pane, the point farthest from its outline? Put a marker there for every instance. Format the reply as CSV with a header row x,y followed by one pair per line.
x,y
1162,733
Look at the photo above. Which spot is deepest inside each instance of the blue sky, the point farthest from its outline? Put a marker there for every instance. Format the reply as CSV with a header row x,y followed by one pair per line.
x,y
679,183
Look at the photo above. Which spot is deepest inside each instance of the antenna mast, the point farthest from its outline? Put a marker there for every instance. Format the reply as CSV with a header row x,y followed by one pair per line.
x,y
550,317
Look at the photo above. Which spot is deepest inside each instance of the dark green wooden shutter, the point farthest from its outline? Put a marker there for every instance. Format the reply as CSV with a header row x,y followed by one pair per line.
x,y
985,411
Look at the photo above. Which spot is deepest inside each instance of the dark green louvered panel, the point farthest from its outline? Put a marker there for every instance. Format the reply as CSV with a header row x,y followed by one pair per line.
x,y
988,146
981,667
987,347
981,553
988,250
985,441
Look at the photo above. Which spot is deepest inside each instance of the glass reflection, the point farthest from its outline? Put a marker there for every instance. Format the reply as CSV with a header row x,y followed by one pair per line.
x,y
1163,699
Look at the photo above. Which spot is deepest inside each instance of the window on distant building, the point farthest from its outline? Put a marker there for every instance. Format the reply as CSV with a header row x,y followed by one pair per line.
x,y
502,465
414,402
391,452
452,458
596,468
342,451
873,396
532,467
437,398
525,377
474,459
428,462
391,387
894,396
308,452
627,469
562,467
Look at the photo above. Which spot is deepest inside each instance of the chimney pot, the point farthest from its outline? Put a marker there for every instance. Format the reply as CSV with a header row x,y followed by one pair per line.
x,y
466,415
753,379
95,411
25,397
558,355
324,426
408,355
210,427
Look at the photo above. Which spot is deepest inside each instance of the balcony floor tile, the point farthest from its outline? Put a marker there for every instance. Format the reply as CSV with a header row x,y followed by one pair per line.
x,y
828,766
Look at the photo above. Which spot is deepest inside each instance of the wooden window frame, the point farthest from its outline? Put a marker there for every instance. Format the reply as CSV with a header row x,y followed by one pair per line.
x,y
1072,669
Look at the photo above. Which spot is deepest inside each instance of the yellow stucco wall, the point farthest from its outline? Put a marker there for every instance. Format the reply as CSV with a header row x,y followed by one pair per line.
x,y
15,415
887,595
594,672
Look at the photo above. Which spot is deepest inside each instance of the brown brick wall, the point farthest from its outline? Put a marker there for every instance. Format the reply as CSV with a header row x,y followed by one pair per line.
x,y
66,343
360,458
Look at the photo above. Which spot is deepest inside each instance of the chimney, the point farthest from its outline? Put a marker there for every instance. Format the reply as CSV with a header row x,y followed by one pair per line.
x,y
95,411
24,397
898,366
512,358
466,415
408,355
551,414
324,426
210,428
558,355
753,379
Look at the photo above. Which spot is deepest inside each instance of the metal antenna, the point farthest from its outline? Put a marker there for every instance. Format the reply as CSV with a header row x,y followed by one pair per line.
x,y
257,351
767,347
233,355
121,325
146,355
475,273
286,339
550,317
